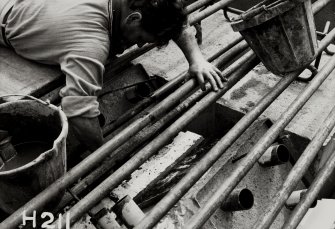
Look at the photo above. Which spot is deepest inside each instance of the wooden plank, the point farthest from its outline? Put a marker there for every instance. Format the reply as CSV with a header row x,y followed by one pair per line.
x,y
19,75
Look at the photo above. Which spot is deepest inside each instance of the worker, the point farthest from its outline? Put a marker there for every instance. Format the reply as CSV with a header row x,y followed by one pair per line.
x,y
80,36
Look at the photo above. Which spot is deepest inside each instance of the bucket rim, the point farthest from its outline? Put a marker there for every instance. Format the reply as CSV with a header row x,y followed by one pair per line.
x,y
261,17
43,156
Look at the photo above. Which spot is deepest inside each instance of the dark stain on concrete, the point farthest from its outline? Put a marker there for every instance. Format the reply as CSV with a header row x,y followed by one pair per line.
x,y
250,104
252,83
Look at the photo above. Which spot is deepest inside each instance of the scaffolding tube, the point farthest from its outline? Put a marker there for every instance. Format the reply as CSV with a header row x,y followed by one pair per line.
x,y
165,204
298,170
232,49
193,20
311,194
99,155
245,64
318,5
256,152
125,150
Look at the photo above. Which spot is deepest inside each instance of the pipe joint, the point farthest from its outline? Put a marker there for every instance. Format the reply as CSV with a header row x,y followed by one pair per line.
x,y
239,200
276,154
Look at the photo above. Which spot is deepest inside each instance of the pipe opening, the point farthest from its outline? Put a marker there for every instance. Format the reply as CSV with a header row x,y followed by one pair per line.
x,y
246,199
283,154
143,90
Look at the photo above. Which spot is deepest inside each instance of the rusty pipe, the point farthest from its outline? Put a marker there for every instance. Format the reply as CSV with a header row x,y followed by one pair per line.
x,y
296,197
298,170
231,49
125,150
276,154
312,193
249,60
256,152
163,206
131,55
239,200
96,157
319,5
145,134
208,11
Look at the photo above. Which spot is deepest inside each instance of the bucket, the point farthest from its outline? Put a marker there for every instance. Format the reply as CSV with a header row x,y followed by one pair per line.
x,y
38,133
281,33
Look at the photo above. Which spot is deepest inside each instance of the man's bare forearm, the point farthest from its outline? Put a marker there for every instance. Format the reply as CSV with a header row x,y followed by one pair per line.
x,y
188,45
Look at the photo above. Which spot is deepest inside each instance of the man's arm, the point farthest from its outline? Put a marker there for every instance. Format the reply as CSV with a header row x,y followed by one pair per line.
x,y
199,67
79,97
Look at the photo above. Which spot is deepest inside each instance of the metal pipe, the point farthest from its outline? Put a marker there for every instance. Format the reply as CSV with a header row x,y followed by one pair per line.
x,y
276,154
163,206
197,5
318,5
131,55
249,60
208,11
125,150
239,200
96,157
246,164
312,194
233,48
128,211
296,197
306,158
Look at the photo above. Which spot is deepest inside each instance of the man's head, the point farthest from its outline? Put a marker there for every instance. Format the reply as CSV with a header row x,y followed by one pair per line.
x,y
152,21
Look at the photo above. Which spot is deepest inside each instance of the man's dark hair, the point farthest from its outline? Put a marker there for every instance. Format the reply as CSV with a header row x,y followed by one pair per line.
x,y
164,19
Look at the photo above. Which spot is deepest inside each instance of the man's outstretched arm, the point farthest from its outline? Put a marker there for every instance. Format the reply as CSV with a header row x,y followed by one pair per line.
x,y
199,67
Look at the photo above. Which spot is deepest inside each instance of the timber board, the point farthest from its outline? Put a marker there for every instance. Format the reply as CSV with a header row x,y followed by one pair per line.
x,y
22,76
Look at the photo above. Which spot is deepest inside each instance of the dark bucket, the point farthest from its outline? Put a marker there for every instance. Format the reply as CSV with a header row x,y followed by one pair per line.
x,y
38,133
281,33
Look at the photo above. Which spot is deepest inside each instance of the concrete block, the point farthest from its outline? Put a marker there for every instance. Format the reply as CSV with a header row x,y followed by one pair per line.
x,y
158,166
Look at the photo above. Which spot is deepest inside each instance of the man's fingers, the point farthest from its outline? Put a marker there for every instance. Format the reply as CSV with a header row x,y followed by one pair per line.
x,y
217,79
212,81
201,81
220,74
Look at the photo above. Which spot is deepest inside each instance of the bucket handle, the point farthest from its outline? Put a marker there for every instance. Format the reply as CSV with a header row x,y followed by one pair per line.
x,y
25,96
260,7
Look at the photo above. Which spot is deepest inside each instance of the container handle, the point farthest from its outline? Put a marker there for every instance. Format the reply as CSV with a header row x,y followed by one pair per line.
x,y
26,96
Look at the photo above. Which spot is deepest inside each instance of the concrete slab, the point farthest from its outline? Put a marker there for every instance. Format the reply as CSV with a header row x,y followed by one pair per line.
x,y
245,94
158,166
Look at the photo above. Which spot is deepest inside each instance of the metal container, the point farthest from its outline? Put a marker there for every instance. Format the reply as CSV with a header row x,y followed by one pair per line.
x,y
281,33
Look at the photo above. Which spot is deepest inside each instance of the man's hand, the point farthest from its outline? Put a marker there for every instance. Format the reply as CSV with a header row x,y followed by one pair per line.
x,y
205,71
87,131
199,66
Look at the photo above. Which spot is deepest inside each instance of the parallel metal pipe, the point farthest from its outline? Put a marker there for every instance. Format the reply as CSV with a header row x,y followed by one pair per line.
x,y
125,150
298,170
96,157
312,194
209,11
163,206
123,172
256,152
131,55
197,5
318,5
231,49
